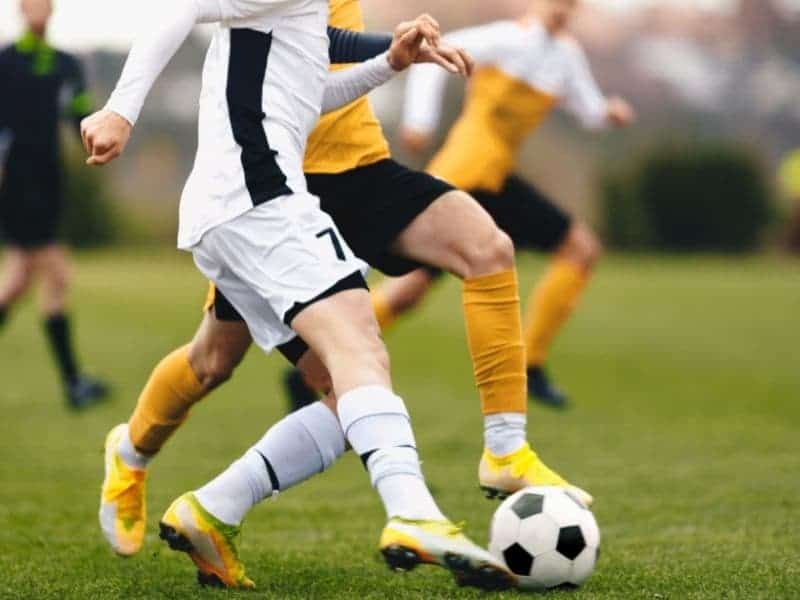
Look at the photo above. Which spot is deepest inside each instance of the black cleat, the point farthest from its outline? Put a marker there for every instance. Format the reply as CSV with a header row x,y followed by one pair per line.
x,y
85,392
299,393
540,389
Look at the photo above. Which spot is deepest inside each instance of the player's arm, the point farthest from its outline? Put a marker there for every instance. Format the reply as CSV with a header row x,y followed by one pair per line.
x,y
348,46
425,86
105,133
413,41
585,100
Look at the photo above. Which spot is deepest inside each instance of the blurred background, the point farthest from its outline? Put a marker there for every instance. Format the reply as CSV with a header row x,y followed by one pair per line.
x,y
708,166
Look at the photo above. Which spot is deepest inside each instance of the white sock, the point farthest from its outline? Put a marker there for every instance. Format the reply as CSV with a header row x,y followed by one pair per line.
x,y
299,446
377,425
130,455
504,433
396,474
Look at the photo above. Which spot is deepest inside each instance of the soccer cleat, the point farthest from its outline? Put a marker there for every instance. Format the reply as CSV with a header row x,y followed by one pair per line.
x,y
407,543
501,476
85,392
210,543
122,499
299,393
542,390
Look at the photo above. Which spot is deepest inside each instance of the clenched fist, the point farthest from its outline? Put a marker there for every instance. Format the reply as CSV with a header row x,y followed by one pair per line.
x,y
105,135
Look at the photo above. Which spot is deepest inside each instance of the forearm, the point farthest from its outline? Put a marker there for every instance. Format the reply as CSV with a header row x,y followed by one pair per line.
x,y
354,47
153,51
350,84
423,99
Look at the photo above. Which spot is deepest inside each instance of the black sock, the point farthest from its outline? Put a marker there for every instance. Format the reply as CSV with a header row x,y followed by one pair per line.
x,y
57,328
3,315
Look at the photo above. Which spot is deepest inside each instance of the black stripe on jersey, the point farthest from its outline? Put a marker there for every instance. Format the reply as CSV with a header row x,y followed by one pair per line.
x,y
247,67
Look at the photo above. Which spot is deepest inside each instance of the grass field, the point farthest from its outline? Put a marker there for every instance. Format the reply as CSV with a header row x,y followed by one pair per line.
x,y
686,379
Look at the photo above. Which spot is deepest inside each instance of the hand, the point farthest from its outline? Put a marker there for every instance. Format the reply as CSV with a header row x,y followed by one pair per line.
x,y
456,60
408,38
105,135
620,112
413,141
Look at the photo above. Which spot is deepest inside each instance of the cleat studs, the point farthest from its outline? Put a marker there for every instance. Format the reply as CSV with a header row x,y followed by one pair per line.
x,y
174,540
209,580
400,559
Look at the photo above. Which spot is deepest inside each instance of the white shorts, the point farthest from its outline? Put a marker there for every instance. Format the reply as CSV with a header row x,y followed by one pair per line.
x,y
274,260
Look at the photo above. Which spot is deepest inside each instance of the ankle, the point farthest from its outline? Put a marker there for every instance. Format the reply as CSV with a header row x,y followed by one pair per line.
x,y
504,433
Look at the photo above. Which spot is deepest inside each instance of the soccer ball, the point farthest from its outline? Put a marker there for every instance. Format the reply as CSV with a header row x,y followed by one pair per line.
x,y
546,537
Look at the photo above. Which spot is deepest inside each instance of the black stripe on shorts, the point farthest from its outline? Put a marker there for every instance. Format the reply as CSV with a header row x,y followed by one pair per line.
x,y
247,68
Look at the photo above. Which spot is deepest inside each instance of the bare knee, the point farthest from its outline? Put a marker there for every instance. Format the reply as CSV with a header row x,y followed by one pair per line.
x,y
213,364
18,279
483,248
581,246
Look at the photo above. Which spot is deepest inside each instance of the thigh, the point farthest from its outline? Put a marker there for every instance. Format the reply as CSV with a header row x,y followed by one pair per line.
x,y
372,205
439,236
530,218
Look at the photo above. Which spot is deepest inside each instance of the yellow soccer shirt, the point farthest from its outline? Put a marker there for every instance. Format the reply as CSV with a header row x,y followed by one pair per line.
x,y
351,136
523,72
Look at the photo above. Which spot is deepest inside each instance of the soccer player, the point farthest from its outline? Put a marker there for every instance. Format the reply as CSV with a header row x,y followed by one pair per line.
x,y
525,68
256,232
40,86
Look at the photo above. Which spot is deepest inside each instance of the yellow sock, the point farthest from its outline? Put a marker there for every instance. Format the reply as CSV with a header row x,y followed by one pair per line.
x,y
383,312
494,335
550,305
165,402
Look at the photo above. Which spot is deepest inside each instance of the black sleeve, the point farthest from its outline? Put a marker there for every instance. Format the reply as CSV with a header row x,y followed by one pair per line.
x,y
348,46
79,98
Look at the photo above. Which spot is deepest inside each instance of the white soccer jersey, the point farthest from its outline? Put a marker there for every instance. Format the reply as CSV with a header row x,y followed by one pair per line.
x,y
265,81
245,212
552,65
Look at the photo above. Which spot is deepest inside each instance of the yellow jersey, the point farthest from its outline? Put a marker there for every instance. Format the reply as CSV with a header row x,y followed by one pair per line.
x,y
351,136
522,73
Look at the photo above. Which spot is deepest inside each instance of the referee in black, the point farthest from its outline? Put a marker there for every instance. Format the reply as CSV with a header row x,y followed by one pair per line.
x,y
38,87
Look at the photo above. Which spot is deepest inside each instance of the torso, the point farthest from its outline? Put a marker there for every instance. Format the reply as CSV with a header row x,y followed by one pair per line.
x,y
351,136
507,99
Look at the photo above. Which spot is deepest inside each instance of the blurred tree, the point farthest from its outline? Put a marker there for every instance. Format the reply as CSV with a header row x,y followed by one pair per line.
x,y
91,215
688,197
790,183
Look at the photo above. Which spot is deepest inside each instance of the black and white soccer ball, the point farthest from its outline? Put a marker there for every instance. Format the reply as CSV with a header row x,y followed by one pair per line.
x,y
546,537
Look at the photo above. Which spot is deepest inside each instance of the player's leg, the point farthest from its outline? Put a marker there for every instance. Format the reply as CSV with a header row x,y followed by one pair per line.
x,y
535,222
178,382
552,302
53,269
326,302
457,235
396,296
18,272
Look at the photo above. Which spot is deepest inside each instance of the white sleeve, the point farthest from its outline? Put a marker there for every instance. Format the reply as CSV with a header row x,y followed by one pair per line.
x,y
583,97
154,48
422,109
346,85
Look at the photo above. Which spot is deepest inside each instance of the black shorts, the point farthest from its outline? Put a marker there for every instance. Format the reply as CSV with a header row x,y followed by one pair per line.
x,y
526,215
372,205
30,202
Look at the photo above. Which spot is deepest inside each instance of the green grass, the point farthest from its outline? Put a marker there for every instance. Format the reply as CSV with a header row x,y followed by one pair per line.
x,y
686,379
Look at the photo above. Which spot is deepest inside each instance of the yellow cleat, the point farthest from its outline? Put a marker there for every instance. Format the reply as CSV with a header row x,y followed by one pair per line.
x,y
122,499
501,476
407,543
210,543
